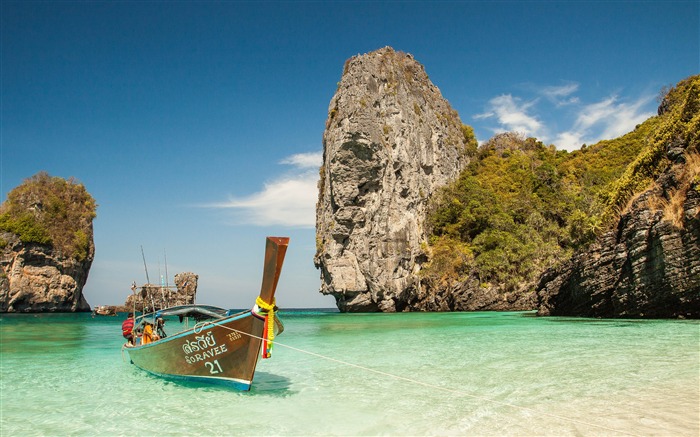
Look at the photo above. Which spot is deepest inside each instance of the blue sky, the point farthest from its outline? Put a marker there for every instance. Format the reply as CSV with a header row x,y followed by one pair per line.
x,y
197,126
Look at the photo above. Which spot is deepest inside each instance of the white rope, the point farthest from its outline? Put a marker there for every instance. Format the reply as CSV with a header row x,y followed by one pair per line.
x,y
436,387
123,347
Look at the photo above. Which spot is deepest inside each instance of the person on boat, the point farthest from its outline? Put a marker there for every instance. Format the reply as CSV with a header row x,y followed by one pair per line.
x,y
128,328
148,334
160,327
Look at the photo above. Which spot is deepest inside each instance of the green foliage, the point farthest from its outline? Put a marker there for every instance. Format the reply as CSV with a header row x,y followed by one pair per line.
x,y
26,226
680,124
448,262
470,143
506,210
81,243
51,211
522,206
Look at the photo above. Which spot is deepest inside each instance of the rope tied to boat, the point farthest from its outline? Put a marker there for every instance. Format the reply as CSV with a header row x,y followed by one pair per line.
x,y
269,328
455,391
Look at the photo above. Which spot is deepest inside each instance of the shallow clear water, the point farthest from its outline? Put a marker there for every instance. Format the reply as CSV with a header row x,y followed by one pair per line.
x,y
367,374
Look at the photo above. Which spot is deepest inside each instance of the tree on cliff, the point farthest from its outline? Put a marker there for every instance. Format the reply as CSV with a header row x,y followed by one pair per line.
x,y
645,262
521,207
51,211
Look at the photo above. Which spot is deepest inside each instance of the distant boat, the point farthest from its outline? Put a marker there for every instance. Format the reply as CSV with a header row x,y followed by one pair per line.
x,y
104,310
222,347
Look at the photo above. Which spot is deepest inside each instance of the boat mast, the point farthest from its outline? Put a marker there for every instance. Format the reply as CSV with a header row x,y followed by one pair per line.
x,y
148,281
162,286
167,285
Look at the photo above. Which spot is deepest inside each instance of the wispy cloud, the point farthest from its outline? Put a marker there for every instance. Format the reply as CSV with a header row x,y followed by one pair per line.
x,y
547,114
287,201
304,160
512,115
559,95
613,117
603,120
595,113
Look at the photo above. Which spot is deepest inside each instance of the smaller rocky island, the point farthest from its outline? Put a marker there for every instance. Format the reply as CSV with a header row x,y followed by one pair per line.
x,y
46,246
149,297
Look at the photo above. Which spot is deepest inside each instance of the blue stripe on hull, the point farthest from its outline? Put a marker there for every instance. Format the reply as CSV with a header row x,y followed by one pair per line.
x,y
238,384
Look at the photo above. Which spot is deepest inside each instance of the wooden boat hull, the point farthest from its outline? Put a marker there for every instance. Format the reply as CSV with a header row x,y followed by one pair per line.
x,y
222,348
223,352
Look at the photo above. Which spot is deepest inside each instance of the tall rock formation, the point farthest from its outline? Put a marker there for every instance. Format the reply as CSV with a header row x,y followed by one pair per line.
x,y
391,141
46,245
648,264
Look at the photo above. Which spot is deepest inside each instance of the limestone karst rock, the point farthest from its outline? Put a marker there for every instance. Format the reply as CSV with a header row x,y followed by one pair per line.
x,y
648,263
37,278
391,141
46,245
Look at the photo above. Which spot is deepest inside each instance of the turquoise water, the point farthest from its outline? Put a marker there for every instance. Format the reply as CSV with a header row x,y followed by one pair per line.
x,y
367,374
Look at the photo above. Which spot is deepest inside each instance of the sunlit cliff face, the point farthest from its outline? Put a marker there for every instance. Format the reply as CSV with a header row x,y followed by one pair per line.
x,y
391,140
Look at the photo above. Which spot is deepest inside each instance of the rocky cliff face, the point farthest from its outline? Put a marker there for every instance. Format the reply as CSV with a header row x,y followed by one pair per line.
x,y
46,245
648,265
391,141
38,278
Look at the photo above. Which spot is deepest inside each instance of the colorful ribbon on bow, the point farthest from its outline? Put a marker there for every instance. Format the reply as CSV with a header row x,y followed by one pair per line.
x,y
269,328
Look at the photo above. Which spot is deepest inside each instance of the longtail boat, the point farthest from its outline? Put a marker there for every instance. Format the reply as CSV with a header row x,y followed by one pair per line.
x,y
104,310
222,347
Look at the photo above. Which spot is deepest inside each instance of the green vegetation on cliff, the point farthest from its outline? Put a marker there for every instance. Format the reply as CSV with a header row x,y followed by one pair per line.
x,y
678,126
51,211
522,206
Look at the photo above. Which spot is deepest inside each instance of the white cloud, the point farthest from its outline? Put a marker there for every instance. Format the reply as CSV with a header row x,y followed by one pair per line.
x,y
287,201
608,119
595,113
548,117
569,140
626,116
512,115
305,160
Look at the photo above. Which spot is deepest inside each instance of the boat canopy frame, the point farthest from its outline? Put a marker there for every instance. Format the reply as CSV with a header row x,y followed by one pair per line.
x,y
197,312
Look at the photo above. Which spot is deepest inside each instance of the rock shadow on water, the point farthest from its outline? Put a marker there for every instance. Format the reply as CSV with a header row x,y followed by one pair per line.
x,y
31,334
604,322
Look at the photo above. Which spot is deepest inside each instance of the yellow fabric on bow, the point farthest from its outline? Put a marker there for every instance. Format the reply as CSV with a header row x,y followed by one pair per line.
x,y
269,329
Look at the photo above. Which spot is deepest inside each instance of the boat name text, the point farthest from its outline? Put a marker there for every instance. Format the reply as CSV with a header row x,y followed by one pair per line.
x,y
202,348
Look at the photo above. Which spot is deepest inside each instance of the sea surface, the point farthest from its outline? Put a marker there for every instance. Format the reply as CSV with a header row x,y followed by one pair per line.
x,y
332,374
